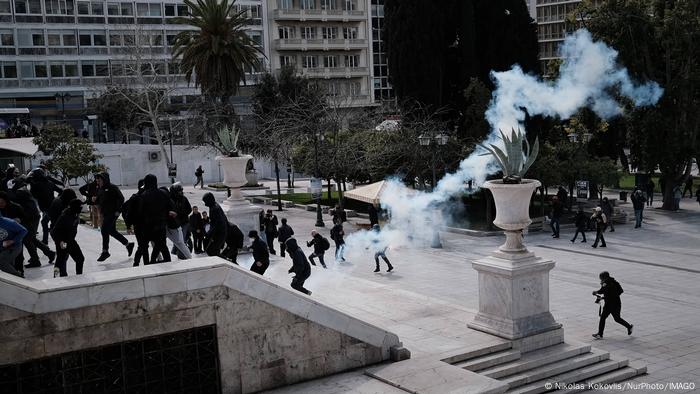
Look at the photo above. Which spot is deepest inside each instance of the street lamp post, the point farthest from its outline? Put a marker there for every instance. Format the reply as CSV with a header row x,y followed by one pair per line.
x,y
63,97
319,217
434,141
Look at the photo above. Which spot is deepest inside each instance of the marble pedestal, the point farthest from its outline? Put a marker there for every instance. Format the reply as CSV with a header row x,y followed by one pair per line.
x,y
514,295
241,212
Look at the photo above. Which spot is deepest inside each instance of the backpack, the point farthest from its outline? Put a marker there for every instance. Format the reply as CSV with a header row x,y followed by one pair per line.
x,y
325,244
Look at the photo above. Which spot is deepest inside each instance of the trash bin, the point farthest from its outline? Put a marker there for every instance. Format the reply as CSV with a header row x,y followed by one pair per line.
x,y
623,196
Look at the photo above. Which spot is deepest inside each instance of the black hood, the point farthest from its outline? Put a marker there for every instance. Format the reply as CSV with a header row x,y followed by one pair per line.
x,y
292,245
10,173
104,176
209,199
150,182
75,205
67,195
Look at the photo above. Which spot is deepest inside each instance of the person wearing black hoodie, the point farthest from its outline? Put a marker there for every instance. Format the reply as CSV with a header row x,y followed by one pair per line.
x,y
131,212
43,188
285,232
89,190
320,245
234,242
261,254
32,216
59,204
155,209
110,200
300,266
63,233
338,236
611,290
173,232
183,210
581,222
197,229
218,226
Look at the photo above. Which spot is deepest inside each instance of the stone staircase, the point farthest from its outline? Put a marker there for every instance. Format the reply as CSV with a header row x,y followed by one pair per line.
x,y
565,367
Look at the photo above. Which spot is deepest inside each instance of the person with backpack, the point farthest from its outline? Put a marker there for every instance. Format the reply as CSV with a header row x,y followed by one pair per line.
x,y
320,244
600,221
63,233
261,254
581,222
199,174
338,236
300,266
610,290
285,232
234,242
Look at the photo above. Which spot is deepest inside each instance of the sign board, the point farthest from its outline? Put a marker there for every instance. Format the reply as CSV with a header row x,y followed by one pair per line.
x,y
316,188
172,170
581,189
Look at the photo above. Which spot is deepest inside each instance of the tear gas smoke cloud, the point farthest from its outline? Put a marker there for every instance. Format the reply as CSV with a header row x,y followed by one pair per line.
x,y
588,77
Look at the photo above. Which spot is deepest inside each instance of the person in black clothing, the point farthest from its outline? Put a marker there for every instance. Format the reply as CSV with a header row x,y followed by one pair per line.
x,y
131,212
110,200
32,216
10,175
319,243
339,214
600,221
338,236
11,210
63,233
59,204
154,209
183,210
557,210
261,256
581,222
89,190
373,215
197,229
198,174
608,211
270,223
638,201
174,225
562,196
688,187
285,232
43,188
206,227
218,223
611,290
300,266
650,192
234,242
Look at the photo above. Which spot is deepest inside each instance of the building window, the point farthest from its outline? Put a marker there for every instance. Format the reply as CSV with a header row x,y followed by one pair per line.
x,y
8,70
87,38
285,32
30,70
91,8
5,7
350,33
328,5
29,38
330,61
307,4
58,7
127,9
7,39
333,89
329,33
94,68
148,9
354,89
308,32
28,7
61,38
349,5
309,61
287,61
176,10
255,36
352,61
285,4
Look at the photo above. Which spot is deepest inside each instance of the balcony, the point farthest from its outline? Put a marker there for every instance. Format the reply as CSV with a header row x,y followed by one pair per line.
x,y
296,14
334,72
300,44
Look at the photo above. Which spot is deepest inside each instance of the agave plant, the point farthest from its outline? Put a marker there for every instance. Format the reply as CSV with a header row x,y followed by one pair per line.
x,y
516,159
228,140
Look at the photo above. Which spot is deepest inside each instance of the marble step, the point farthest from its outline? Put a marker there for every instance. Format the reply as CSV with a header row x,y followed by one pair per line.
x,y
535,359
474,352
616,376
577,375
556,368
489,360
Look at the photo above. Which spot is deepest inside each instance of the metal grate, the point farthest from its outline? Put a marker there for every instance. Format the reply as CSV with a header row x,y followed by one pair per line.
x,y
181,362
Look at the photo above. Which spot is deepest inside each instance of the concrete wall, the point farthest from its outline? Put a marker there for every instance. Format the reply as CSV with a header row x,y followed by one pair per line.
x,y
268,336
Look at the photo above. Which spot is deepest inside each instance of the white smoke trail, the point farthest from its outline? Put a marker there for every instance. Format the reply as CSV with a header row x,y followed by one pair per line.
x,y
588,77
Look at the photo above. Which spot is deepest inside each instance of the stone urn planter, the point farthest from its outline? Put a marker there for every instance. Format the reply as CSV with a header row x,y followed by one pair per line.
x,y
251,177
239,210
512,210
234,170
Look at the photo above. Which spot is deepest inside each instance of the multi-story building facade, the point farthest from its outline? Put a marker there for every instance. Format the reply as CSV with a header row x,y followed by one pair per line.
x,y
552,25
57,54
327,40
381,86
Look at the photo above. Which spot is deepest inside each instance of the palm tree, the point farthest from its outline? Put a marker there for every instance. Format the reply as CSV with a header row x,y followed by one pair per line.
x,y
219,52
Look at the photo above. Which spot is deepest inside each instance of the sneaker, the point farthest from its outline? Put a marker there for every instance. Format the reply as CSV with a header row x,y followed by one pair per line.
x,y
33,264
597,336
308,293
376,270
324,266
129,249
612,231
391,268
595,246
52,257
583,242
629,330
572,241
603,246
104,256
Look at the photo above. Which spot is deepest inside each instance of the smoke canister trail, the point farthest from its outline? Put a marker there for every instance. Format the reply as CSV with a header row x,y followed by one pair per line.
x,y
589,76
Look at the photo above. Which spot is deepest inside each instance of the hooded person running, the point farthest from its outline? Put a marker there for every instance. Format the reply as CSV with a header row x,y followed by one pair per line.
x,y
218,226
110,199
300,266
261,254
155,209
63,233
